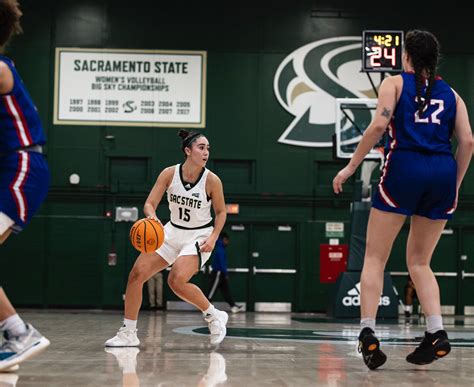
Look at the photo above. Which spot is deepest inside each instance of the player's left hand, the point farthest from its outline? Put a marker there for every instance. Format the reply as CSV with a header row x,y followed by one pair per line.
x,y
207,245
341,178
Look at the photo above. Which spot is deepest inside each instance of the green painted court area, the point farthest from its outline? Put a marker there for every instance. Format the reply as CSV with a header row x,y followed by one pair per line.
x,y
326,336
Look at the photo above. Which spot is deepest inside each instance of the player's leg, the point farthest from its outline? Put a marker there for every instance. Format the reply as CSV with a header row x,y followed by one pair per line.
x,y
6,308
422,240
5,227
21,340
382,229
5,236
182,271
145,266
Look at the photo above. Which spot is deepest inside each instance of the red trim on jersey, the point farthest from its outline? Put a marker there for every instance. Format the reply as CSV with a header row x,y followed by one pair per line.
x,y
16,186
15,116
23,120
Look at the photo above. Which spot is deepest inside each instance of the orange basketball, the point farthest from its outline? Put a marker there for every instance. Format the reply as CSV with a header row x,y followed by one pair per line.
x,y
147,235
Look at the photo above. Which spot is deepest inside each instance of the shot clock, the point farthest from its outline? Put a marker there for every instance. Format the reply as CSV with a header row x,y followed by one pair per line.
x,y
382,51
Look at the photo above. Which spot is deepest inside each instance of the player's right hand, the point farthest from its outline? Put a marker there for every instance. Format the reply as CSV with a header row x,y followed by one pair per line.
x,y
341,178
154,217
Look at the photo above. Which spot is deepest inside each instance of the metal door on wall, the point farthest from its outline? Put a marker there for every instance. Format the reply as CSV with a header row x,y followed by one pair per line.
x,y
273,264
238,262
262,266
466,277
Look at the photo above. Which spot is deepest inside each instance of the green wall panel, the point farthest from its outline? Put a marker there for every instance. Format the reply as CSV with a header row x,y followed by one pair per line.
x,y
73,268
23,260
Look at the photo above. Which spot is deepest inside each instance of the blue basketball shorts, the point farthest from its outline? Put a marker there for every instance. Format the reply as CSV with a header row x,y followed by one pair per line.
x,y
414,183
24,184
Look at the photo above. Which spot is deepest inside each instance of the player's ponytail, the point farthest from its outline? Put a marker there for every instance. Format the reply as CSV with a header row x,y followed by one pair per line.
x,y
423,49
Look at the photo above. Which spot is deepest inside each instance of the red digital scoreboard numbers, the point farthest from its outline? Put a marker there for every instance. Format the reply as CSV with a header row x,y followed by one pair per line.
x,y
382,51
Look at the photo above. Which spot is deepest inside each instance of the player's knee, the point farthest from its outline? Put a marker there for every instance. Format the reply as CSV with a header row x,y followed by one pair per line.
x,y
137,275
417,266
172,281
175,282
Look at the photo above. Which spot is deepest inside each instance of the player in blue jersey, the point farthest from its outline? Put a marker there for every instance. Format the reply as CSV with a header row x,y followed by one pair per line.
x,y
24,181
420,178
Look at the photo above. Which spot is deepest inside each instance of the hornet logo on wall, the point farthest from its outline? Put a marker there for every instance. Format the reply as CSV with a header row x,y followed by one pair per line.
x,y
309,80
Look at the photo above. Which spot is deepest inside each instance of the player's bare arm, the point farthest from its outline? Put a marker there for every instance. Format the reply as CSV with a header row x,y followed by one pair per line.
x,y
6,78
463,134
216,192
156,194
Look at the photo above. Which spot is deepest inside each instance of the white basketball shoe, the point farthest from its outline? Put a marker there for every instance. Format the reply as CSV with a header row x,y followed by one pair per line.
x,y
217,326
124,338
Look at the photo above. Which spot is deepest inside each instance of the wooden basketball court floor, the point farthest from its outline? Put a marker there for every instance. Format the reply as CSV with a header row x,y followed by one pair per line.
x,y
261,349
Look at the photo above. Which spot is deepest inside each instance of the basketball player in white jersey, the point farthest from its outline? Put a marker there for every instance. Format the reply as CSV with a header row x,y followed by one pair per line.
x,y
189,238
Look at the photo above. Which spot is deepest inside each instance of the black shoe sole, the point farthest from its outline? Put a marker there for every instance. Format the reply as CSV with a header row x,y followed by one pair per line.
x,y
439,351
372,355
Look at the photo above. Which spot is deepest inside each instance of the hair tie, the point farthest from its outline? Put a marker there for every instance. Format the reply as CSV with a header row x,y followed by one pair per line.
x,y
189,140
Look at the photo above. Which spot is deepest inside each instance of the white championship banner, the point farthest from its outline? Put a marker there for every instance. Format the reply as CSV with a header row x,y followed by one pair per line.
x,y
130,87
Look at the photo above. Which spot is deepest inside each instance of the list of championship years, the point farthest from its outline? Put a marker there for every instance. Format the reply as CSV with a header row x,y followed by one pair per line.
x,y
121,87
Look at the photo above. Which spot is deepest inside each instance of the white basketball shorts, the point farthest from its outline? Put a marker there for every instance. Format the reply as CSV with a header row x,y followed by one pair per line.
x,y
179,242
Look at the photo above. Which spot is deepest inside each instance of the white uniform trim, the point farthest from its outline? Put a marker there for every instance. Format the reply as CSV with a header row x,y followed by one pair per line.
x,y
17,185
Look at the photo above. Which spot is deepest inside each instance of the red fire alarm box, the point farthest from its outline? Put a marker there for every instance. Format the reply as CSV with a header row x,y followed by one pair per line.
x,y
332,261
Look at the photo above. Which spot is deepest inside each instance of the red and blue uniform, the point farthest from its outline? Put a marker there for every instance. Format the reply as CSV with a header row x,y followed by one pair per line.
x,y
419,171
24,174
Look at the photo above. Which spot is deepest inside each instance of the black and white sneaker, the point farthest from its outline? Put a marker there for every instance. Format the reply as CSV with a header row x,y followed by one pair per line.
x,y
434,346
369,347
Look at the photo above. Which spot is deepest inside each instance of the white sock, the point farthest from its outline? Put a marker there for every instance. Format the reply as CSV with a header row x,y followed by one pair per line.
x,y
434,323
130,324
367,323
409,308
14,325
209,311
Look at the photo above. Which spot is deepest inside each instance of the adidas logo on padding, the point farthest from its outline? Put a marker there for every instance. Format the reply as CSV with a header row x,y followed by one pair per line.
x,y
353,297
